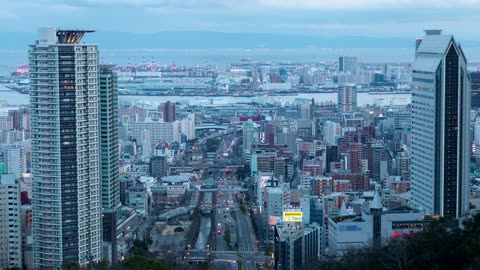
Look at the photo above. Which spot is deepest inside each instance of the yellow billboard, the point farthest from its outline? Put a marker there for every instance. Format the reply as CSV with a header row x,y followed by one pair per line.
x,y
292,216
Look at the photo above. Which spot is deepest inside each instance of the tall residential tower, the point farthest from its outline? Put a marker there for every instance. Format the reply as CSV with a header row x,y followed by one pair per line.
x,y
347,98
64,100
440,127
109,160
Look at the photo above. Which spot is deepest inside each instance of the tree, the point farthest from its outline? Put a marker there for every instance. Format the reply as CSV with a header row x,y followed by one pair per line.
x,y
269,249
140,248
243,172
178,230
102,265
71,266
212,144
242,208
227,237
142,263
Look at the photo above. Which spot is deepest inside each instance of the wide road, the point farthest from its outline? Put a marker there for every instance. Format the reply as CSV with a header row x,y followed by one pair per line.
x,y
221,245
225,256
246,240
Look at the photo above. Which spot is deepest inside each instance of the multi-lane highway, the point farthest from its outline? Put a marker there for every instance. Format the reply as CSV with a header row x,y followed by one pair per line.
x,y
225,256
227,216
246,241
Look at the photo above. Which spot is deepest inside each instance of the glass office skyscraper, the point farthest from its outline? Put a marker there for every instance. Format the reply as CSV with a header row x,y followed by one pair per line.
x,y
440,126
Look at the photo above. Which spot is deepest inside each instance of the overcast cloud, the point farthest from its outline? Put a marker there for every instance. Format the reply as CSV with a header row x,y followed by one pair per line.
x,y
385,18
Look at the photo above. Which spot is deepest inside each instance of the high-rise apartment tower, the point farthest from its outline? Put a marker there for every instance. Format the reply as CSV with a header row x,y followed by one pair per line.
x,y
64,101
109,160
347,98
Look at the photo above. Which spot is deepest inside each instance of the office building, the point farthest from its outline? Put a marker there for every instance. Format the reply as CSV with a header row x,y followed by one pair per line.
x,y
288,248
296,247
440,127
19,118
250,137
347,98
10,224
305,111
138,198
475,77
158,166
272,206
168,111
348,64
312,242
402,119
418,40
6,121
380,162
64,93
476,131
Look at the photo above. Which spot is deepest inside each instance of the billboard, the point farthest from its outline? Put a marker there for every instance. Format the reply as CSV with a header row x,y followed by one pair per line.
x,y
292,216
274,220
264,179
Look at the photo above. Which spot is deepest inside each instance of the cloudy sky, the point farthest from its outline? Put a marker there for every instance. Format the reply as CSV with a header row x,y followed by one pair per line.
x,y
382,18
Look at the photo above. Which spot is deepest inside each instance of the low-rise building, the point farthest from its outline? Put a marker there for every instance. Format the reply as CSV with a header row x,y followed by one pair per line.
x,y
138,198
171,190
375,226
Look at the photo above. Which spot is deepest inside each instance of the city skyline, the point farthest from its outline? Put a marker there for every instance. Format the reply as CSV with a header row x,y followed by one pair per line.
x,y
249,164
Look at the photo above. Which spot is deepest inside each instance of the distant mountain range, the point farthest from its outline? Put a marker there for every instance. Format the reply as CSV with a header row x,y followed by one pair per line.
x,y
219,40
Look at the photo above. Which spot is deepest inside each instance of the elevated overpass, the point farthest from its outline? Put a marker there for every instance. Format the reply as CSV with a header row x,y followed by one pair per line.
x,y
223,189
175,213
196,256
207,166
210,127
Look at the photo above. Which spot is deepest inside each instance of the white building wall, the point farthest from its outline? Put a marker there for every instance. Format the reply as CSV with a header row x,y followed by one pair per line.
x,y
157,131
332,131
274,202
188,126
168,153
15,160
10,225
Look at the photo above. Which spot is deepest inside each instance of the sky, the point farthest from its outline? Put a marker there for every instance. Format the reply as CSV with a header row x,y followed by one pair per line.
x,y
372,18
